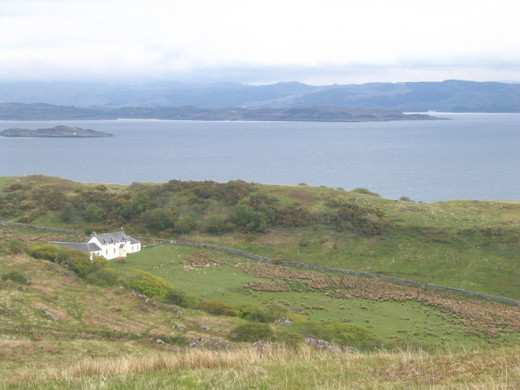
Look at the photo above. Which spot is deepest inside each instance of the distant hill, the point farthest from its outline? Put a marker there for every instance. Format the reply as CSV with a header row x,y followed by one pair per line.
x,y
17,111
451,95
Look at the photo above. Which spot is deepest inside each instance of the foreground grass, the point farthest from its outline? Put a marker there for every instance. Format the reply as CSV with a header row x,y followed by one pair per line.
x,y
279,368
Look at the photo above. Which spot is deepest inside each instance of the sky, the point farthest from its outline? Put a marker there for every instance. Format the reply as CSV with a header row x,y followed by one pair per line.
x,y
318,42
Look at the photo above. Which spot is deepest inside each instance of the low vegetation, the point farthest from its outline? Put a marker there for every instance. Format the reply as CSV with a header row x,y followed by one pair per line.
x,y
173,316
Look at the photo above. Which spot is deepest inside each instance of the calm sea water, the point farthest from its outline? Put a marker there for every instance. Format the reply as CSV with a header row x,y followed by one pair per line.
x,y
472,156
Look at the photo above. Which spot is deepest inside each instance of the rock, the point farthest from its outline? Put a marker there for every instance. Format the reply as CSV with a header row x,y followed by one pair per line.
x,y
323,345
159,341
178,327
202,326
284,321
264,345
51,316
210,344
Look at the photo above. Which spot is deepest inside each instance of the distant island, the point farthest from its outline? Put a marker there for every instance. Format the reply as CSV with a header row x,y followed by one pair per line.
x,y
55,132
18,111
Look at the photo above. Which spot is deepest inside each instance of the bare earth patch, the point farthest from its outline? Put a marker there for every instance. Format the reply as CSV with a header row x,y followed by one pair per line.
x,y
267,286
201,259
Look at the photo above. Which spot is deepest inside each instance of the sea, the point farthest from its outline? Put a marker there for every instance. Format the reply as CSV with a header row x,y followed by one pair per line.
x,y
467,156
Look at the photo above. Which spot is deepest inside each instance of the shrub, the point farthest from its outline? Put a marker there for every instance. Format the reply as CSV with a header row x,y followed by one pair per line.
x,y
290,339
148,284
158,219
15,276
75,260
343,334
94,213
217,224
256,313
248,219
365,191
185,225
103,277
293,216
178,297
67,212
252,332
218,308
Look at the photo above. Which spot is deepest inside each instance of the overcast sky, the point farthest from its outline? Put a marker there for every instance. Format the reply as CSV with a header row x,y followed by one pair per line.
x,y
260,41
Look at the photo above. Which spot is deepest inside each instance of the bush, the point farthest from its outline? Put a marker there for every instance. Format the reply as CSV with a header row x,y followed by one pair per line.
x,y
185,225
148,284
343,334
217,224
218,308
290,339
178,297
255,313
248,219
15,276
75,260
252,332
365,191
103,277
94,213
158,219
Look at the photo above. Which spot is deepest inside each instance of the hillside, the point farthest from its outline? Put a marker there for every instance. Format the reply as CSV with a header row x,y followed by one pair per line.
x,y
18,111
57,332
177,316
462,244
450,95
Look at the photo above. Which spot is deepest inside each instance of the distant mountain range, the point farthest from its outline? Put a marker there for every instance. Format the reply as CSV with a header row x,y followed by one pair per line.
x,y
450,96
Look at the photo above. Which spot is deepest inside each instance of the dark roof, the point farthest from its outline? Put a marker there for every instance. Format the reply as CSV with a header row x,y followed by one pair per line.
x,y
80,246
113,237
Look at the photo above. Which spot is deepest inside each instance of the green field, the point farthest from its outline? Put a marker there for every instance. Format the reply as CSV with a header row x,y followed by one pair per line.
x,y
411,321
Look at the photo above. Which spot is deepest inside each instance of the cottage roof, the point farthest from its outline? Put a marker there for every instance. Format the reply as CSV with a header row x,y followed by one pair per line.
x,y
112,238
84,247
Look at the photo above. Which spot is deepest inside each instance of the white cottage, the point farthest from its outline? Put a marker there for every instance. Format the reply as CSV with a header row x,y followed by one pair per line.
x,y
109,245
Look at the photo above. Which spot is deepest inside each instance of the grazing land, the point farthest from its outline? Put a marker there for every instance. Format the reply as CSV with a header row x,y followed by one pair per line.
x,y
180,316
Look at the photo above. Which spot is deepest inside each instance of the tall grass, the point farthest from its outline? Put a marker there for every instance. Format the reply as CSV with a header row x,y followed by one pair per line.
x,y
284,368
